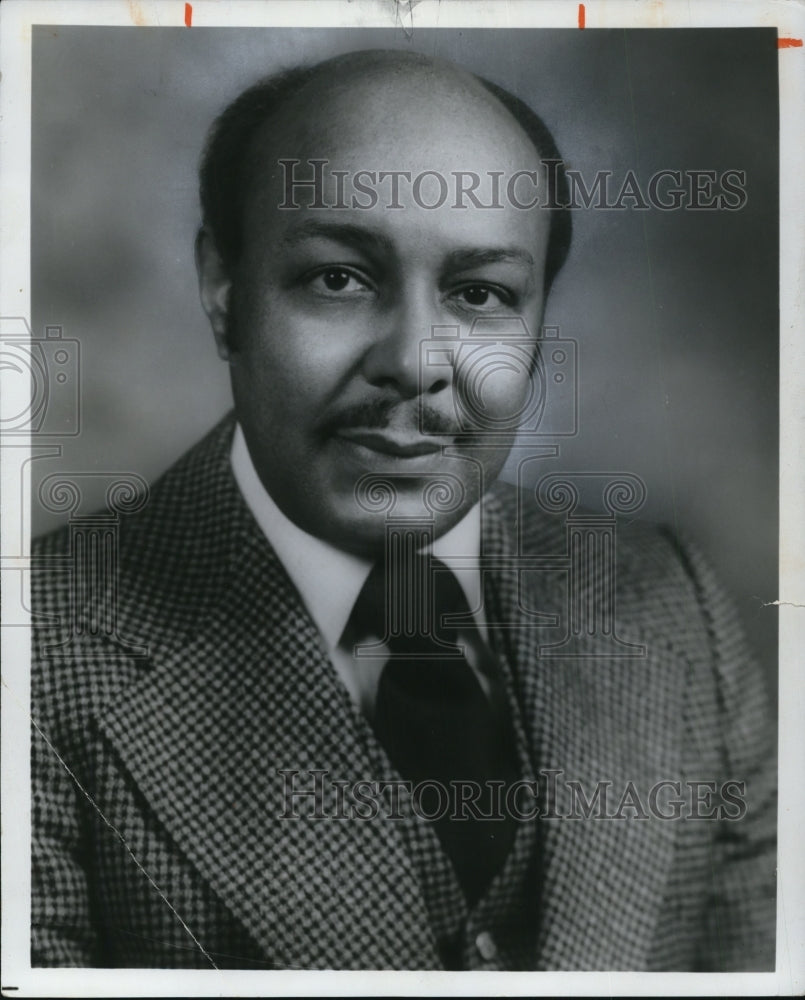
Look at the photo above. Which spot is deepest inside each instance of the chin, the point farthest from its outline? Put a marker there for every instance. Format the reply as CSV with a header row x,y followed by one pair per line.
x,y
367,536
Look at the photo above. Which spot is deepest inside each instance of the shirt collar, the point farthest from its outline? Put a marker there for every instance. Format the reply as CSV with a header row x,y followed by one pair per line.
x,y
329,579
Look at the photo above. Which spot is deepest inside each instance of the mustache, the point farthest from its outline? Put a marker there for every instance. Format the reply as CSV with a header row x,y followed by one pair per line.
x,y
376,414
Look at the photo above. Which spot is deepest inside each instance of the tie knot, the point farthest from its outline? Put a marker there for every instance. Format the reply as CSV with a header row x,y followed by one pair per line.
x,y
415,606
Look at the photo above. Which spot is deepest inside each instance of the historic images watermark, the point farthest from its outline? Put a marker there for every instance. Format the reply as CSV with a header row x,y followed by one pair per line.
x,y
480,362
666,190
42,377
552,795
41,411
515,389
486,363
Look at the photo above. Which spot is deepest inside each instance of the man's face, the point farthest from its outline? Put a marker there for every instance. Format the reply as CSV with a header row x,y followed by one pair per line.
x,y
331,309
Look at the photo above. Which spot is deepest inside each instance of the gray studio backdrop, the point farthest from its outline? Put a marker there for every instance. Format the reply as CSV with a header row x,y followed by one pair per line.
x,y
675,313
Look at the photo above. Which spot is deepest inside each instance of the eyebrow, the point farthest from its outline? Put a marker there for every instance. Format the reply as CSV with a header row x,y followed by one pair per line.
x,y
472,257
342,232
359,238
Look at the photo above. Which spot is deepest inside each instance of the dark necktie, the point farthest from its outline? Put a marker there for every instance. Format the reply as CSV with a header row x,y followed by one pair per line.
x,y
433,718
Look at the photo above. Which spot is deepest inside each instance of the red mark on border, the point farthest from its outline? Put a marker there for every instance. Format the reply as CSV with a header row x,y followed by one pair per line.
x,y
582,15
789,43
188,15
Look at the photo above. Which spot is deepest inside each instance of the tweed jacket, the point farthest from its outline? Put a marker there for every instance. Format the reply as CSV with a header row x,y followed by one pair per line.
x,y
157,821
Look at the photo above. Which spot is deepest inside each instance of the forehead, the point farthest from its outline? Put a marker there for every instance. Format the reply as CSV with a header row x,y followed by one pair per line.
x,y
427,122
415,115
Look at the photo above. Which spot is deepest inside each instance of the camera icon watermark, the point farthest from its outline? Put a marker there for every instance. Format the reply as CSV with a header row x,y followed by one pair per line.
x,y
504,379
41,381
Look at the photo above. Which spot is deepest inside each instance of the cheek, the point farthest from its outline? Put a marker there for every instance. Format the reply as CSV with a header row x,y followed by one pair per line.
x,y
493,385
284,360
299,347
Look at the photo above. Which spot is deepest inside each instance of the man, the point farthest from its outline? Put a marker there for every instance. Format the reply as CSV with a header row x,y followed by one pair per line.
x,y
348,623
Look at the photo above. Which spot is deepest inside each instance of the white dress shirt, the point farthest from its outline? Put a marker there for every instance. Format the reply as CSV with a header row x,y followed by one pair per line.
x,y
329,580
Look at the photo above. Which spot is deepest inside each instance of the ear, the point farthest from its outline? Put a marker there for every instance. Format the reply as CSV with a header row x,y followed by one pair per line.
x,y
214,286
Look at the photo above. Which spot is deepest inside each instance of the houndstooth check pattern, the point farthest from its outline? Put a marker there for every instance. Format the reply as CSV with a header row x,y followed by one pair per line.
x,y
157,832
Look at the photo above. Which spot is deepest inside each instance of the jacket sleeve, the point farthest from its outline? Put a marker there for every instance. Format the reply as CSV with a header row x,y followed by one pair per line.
x,y
740,922
61,928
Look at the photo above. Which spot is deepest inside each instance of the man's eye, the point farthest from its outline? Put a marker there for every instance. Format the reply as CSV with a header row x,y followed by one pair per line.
x,y
481,296
337,279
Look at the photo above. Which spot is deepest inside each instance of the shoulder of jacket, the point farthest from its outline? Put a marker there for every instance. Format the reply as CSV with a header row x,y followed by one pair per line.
x,y
156,557
658,573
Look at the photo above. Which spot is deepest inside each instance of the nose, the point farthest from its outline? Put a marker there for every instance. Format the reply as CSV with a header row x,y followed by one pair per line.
x,y
397,358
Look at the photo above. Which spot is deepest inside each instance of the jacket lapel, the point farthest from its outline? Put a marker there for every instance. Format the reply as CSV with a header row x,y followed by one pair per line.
x,y
248,692
592,719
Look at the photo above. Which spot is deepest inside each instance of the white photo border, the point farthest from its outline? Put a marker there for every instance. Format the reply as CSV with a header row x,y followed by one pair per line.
x,y
18,18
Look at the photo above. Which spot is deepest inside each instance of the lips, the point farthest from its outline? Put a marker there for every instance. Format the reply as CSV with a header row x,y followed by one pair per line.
x,y
399,445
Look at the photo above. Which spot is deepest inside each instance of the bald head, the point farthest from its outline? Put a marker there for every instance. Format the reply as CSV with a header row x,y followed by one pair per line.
x,y
383,73
435,106
380,64
383,93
